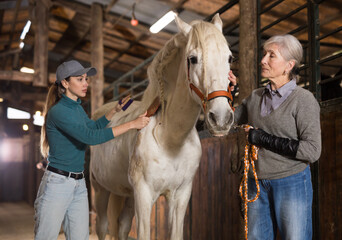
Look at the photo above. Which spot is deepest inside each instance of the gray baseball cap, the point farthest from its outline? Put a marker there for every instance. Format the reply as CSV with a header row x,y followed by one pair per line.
x,y
72,69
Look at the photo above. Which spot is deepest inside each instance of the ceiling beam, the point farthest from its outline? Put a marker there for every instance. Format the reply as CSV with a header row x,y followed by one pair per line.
x,y
17,6
69,45
110,5
76,6
25,96
9,52
22,77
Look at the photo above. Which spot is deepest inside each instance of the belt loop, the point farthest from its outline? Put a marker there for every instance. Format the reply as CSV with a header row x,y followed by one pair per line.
x,y
82,174
69,174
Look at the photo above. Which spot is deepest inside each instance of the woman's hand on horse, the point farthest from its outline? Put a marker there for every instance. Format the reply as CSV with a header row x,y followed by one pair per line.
x,y
137,123
232,79
141,121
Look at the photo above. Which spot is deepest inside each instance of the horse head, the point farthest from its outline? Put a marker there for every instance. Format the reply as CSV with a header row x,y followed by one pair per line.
x,y
208,64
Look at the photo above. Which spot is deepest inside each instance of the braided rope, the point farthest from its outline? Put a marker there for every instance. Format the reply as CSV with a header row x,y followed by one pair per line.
x,y
251,155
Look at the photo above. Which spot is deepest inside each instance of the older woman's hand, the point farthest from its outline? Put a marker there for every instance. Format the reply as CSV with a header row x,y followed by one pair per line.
x,y
232,79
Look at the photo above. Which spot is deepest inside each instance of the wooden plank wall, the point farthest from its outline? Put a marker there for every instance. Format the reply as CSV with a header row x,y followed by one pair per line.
x,y
330,177
215,202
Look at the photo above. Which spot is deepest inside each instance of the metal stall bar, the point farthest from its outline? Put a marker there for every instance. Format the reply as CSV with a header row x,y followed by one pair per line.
x,y
222,9
271,6
143,83
126,75
285,17
314,75
313,45
330,33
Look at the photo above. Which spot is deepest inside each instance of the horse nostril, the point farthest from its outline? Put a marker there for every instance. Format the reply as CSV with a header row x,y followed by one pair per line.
x,y
212,117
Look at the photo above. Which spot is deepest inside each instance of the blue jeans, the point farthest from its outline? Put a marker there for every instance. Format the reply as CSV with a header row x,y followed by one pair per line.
x,y
61,200
285,204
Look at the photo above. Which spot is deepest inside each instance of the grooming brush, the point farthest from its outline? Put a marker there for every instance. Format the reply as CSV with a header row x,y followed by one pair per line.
x,y
153,107
128,103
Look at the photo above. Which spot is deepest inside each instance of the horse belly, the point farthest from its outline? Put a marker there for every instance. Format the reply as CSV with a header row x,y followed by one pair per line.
x,y
109,164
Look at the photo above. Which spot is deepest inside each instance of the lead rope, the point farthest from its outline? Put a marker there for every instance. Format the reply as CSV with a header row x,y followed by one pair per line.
x,y
251,155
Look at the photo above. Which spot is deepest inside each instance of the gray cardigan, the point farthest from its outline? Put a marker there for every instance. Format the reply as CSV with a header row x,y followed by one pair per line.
x,y
298,117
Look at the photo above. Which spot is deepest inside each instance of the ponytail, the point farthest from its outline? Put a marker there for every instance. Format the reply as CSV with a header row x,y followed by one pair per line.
x,y
54,94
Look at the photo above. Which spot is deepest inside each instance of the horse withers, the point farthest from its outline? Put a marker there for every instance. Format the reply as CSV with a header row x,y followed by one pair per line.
x,y
188,75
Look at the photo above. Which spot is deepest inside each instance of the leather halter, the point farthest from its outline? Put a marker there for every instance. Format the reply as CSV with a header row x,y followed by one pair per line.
x,y
212,95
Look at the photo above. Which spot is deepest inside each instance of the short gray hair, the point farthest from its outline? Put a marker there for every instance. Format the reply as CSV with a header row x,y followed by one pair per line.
x,y
290,49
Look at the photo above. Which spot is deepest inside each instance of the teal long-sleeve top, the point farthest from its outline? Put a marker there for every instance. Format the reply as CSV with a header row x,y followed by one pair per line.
x,y
69,130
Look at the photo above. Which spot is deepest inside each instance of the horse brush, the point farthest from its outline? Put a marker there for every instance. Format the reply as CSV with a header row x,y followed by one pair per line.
x,y
127,104
151,110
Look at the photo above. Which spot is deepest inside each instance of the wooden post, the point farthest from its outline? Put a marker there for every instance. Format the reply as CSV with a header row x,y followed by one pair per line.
x,y
41,27
31,163
97,81
248,61
248,48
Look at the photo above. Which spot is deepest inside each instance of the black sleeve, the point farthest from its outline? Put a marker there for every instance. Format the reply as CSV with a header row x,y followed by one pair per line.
x,y
282,146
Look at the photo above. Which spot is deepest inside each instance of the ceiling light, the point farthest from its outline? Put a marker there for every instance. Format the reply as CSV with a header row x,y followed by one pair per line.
x,y
25,127
134,21
26,70
13,113
25,30
162,22
23,34
38,119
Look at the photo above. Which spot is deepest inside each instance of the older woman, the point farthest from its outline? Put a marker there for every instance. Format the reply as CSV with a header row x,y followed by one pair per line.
x,y
286,127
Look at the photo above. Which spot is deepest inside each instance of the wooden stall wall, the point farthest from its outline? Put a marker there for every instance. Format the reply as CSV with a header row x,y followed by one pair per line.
x,y
330,176
32,175
214,208
12,169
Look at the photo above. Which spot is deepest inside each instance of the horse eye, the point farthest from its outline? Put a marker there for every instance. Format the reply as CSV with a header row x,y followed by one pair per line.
x,y
230,59
193,59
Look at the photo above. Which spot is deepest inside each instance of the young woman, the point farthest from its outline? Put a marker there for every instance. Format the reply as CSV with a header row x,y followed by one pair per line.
x,y
67,130
286,127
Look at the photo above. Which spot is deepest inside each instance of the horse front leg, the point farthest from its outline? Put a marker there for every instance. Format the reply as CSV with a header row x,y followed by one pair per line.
x,y
143,205
177,209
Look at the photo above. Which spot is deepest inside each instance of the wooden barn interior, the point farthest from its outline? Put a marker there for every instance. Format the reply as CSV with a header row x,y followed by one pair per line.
x,y
100,33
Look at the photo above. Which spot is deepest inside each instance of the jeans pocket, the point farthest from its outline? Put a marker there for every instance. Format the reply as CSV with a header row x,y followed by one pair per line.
x,y
55,178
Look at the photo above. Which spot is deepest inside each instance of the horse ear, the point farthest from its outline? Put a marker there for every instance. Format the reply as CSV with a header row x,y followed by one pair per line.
x,y
182,26
217,21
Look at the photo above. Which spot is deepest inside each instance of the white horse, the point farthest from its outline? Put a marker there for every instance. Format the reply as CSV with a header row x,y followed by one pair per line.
x,y
188,75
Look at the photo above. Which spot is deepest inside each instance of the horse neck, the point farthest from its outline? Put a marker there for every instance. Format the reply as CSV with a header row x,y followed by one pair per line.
x,y
182,111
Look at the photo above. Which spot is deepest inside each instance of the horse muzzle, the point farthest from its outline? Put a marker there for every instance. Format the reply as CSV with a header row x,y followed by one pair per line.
x,y
219,117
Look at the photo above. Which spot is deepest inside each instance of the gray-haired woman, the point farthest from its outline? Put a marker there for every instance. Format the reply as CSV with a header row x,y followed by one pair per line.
x,y
286,127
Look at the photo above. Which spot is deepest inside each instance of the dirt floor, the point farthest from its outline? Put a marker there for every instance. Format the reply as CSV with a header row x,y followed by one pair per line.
x,y
16,222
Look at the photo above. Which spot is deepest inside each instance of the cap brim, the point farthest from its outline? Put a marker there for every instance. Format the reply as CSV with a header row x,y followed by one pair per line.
x,y
89,71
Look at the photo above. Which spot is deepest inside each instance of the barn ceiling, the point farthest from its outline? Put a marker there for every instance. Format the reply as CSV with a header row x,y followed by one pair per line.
x,y
126,46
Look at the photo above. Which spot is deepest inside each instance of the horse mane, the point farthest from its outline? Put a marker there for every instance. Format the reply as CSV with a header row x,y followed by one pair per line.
x,y
200,33
156,72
